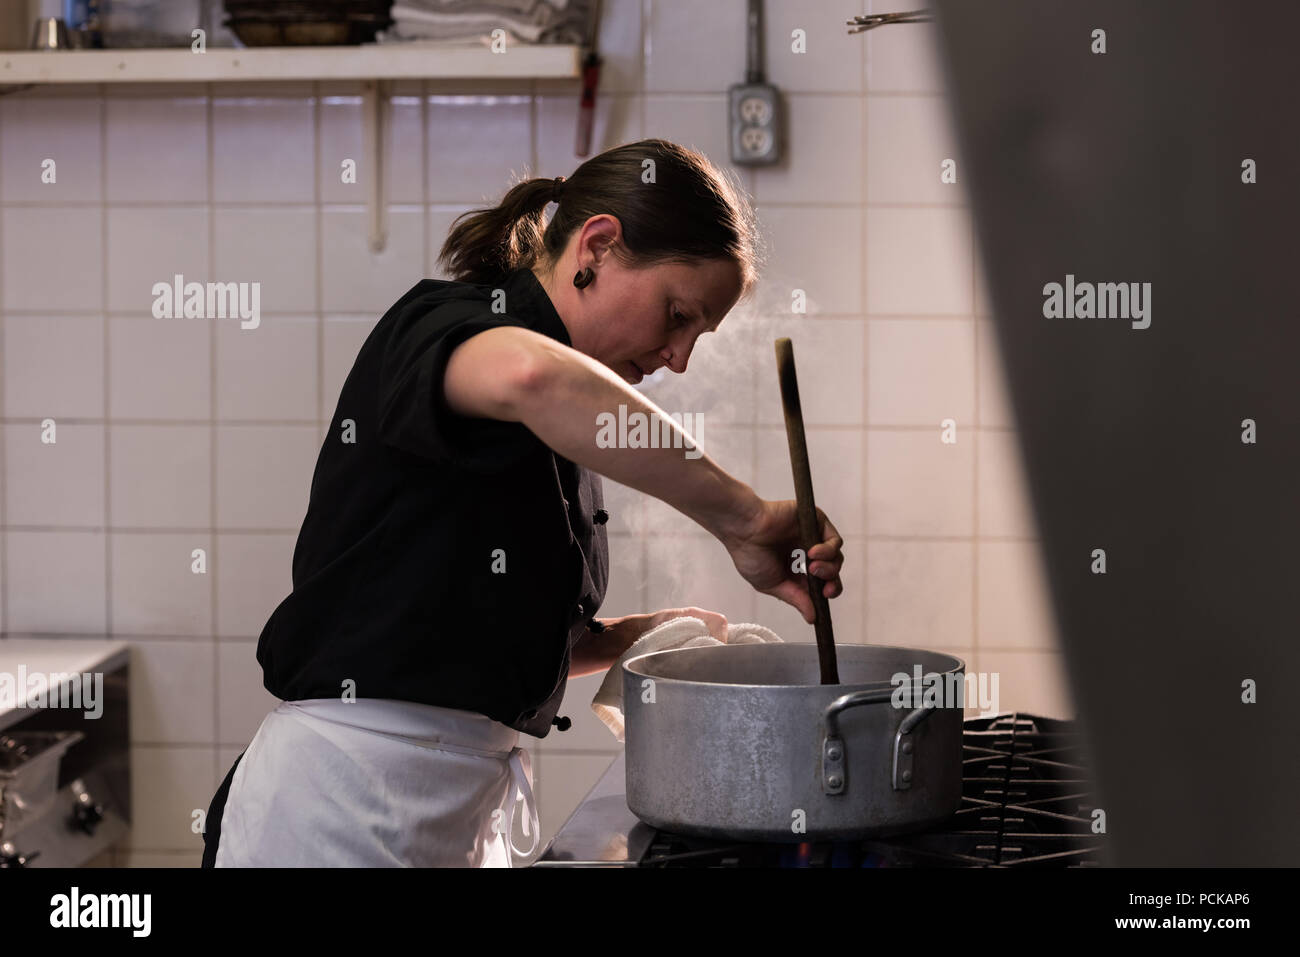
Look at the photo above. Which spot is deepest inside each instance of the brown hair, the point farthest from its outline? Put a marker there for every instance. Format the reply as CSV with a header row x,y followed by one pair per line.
x,y
688,210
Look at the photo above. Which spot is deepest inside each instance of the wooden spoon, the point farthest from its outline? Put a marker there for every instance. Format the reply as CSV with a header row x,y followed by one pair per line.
x,y
809,530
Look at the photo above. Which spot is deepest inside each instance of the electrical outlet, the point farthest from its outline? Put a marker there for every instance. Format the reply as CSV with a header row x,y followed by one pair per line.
x,y
755,140
755,126
755,110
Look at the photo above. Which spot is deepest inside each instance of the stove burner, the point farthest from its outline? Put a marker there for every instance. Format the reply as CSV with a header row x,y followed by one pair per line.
x,y
1026,802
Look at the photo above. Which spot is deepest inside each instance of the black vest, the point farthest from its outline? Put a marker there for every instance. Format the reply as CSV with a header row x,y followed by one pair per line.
x,y
446,560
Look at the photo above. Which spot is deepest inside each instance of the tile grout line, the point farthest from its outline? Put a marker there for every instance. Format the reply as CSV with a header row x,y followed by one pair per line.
x,y
214,569
733,425
827,317
863,292
687,532
750,184
4,432
106,363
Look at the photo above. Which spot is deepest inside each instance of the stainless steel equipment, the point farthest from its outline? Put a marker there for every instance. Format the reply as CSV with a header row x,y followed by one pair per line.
x,y
65,786
29,772
742,741
50,33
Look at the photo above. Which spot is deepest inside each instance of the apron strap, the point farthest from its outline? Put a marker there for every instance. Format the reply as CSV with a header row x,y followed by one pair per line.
x,y
521,774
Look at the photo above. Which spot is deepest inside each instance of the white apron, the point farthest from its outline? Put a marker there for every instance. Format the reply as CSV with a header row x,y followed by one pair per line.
x,y
377,783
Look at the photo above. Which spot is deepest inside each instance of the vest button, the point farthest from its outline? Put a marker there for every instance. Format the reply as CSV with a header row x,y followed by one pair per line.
x,y
581,609
601,516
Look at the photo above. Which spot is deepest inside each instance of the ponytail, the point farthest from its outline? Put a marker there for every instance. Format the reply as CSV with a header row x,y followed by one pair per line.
x,y
485,244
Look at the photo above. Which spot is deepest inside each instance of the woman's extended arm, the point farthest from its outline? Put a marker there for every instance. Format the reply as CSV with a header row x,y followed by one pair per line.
x,y
518,375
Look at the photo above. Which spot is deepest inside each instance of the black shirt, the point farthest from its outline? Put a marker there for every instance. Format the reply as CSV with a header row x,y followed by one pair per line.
x,y
444,559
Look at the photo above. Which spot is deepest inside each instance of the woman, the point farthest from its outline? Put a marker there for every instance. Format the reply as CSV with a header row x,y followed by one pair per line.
x,y
453,555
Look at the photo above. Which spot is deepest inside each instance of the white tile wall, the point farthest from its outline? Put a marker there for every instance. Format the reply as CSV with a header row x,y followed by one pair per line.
x,y
355,279
53,259
242,702
824,159
617,118
693,47
274,246
168,784
149,358
160,476
918,261
171,692
403,152
827,58
825,351
1014,613
920,593
253,576
65,131
176,435
53,366
268,373
476,144
919,486
900,58
149,245
343,337
58,483
251,495
263,150
835,462
159,583
55,581
920,372
156,150
816,250
908,142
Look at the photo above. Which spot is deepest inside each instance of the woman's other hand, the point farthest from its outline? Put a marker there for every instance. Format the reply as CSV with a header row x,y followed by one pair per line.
x,y
597,651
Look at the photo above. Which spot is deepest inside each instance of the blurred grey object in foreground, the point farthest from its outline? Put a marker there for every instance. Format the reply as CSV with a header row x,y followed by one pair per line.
x,y
1127,166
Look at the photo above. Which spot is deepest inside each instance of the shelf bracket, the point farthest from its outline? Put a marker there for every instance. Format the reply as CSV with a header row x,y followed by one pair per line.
x,y
374,135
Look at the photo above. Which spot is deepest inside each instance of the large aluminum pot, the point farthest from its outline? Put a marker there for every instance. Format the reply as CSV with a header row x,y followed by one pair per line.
x,y
742,742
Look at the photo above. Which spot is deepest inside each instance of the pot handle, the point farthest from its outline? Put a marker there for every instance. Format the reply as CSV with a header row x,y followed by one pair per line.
x,y
834,762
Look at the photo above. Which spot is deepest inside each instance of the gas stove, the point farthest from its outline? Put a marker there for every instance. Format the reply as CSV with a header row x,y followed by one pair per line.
x,y
1026,802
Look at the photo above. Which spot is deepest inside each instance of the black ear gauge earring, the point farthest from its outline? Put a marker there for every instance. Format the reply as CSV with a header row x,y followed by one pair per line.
x,y
582,279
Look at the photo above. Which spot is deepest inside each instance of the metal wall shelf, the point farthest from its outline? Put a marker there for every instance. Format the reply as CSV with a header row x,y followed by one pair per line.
x,y
368,62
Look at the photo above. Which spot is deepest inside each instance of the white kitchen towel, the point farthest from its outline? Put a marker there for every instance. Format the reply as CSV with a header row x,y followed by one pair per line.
x,y
453,21
684,632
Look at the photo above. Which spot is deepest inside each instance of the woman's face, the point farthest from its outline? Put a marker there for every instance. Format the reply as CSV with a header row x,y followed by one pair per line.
x,y
636,320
